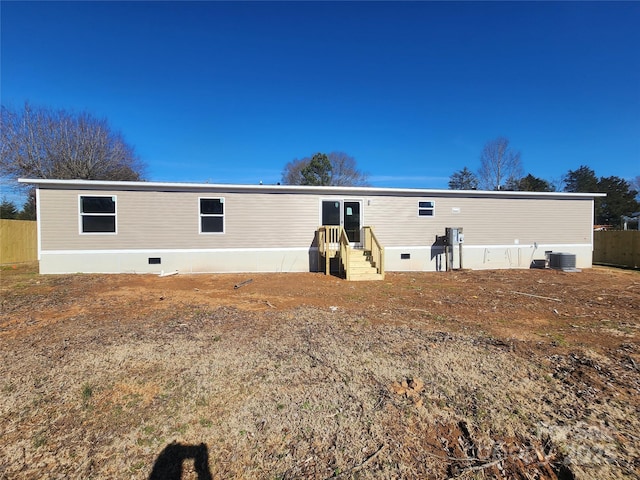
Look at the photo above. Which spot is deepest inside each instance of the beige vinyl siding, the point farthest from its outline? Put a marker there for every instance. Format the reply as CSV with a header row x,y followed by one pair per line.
x,y
503,221
148,219
170,220
486,221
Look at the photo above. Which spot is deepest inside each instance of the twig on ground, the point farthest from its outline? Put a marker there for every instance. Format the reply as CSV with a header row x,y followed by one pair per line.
x,y
369,459
454,459
480,467
537,296
242,284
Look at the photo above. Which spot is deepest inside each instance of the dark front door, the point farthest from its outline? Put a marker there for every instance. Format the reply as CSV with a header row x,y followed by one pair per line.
x,y
351,215
345,213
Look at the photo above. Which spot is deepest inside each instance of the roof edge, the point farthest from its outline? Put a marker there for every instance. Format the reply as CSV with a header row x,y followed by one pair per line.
x,y
289,188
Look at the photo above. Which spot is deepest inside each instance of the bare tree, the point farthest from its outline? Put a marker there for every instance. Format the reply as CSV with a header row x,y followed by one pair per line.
x,y
635,184
44,143
499,164
343,172
292,173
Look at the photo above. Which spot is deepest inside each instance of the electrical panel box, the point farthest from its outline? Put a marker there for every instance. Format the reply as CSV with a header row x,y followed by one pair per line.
x,y
454,236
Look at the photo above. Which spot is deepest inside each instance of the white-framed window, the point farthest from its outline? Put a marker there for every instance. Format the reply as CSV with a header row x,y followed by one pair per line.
x,y
97,214
426,208
211,215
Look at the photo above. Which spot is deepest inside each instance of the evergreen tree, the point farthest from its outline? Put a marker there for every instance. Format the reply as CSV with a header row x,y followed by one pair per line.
x,y
620,200
463,179
530,184
317,171
28,211
582,180
343,171
8,210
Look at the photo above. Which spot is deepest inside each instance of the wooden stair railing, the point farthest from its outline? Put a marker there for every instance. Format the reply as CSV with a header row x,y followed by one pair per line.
x,y
334,243
345,252
373,245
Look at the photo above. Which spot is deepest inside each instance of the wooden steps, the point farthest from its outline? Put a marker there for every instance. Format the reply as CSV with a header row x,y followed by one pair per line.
x,y
338,257
361,267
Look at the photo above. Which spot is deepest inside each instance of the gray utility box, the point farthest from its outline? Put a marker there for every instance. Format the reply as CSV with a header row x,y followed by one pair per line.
x,y
454,236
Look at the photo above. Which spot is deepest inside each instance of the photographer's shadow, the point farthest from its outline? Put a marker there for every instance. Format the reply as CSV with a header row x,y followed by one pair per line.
x,y
168,465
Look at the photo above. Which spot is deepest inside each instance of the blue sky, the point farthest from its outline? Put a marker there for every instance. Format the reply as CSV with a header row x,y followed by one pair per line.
x,y
230,92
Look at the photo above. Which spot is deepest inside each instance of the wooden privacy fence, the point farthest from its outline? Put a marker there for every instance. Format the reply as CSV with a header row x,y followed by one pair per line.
x,y
620,248
18,241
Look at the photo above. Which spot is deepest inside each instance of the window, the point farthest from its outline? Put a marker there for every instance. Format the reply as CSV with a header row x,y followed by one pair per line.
x,y
97,214
425,209
212,215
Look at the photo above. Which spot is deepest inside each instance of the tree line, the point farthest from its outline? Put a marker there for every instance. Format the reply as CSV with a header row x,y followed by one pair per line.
x,y
44,143
10,211
501,169
37,142
335,169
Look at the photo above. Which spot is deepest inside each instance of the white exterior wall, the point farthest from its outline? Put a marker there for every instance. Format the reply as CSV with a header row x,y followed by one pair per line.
x,y
480,257
187,261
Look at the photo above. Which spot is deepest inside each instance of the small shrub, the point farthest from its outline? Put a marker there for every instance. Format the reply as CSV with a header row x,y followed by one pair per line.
x,y
87,393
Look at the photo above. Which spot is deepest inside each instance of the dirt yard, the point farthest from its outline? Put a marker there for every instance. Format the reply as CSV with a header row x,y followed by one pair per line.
x,y
531,374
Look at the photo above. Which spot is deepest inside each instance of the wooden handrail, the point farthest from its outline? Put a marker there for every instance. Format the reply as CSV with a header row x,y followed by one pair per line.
x,y
334,242
372,244
344,252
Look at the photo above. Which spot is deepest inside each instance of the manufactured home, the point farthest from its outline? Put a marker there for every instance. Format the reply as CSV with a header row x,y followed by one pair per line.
x,y
152,227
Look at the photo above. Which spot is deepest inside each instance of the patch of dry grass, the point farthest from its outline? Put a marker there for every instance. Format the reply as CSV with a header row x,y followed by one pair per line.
x,y
304,393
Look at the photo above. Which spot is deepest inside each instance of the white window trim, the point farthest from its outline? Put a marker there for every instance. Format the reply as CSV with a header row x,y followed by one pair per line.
x,y
224,215
81,214
432,208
